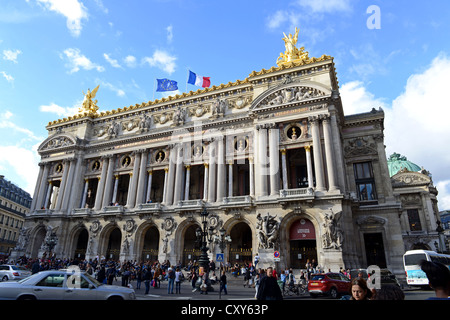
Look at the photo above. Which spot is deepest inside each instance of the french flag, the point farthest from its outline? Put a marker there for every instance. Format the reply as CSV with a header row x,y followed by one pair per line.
x,y
197,80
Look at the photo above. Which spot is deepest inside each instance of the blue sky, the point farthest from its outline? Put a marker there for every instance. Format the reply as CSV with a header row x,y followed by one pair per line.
x,y
52,51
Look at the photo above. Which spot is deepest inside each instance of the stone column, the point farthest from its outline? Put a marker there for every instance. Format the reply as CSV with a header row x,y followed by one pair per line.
x,y
262,162
317,150
230,178
221,170
116,187
329,154
69,184
205,183
251,176
77,184
149,185
101,185
109,182
212,172
309,168
166,171
171,176
43,183
284,168
179,176
188,178
61,193
49,191
142,175
85,191
131,198
274,136
37,186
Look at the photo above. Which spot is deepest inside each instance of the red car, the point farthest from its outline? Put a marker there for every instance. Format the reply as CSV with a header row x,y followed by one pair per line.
x,y
331,284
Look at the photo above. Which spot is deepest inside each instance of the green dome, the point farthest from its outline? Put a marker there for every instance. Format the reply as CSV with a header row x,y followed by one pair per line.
x,y
397,162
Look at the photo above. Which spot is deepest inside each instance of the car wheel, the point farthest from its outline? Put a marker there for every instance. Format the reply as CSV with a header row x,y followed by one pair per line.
x,y
333,293
23,298
5,278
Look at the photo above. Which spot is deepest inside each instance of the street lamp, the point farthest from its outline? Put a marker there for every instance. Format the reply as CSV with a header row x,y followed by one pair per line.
x,y
51,242
221,240
203,237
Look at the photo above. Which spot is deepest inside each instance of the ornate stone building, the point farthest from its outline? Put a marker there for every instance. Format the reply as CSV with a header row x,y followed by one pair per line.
x,y
14,205
272,158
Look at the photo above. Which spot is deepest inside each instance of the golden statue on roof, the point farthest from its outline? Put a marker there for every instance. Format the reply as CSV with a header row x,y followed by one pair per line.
x,y
292,53
89,105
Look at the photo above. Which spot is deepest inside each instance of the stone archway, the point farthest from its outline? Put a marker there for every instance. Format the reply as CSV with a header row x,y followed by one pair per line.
x,y
39,236
81,241
241,246
302,243
147,243
110,242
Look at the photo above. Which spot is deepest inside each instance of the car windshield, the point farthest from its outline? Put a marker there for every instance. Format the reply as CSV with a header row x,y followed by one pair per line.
x,y
318,277
93,280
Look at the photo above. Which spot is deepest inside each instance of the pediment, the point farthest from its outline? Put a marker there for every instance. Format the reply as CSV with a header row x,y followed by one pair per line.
x,y
290,93
57,141
406,178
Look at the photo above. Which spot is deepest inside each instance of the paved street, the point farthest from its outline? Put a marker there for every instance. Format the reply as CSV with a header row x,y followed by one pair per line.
x,y
236,291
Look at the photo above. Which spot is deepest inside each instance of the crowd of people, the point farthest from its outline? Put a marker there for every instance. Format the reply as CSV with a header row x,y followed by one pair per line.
x,y
268,283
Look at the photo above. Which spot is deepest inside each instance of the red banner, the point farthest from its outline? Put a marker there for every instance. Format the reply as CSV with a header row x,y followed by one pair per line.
x,y
302,229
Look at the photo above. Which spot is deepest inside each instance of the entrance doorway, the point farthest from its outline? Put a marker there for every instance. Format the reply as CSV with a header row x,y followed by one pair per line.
x,y
113,250
151,245
375,249
82,242
241,244
302,240
191,250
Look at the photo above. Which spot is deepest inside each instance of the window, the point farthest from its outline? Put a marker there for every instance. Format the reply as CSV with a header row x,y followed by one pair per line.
x,y
365,183
52,280
414,220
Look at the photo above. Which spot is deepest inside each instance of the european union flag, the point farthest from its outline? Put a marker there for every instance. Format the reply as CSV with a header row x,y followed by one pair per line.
x,y
166,85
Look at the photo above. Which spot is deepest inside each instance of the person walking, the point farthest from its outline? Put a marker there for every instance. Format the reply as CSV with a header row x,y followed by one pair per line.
x,y
269,288
178,279
171,280
223,283
147,276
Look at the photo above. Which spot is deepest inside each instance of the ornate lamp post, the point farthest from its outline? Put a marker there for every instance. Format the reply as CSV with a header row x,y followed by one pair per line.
x,y
203,237
51,242
222,240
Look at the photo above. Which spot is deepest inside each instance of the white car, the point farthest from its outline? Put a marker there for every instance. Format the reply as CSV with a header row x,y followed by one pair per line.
x,y
12,272
63,285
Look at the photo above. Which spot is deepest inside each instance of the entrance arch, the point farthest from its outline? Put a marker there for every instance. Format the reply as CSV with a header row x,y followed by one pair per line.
x,y
241,244
113,247
191,249
150,247
302,243
81,244
38,241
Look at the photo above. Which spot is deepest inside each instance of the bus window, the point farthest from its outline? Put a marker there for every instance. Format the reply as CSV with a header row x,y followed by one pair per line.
x,y
414,259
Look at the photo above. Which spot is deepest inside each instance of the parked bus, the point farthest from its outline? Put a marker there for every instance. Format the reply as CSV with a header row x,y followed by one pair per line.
x,y
411,261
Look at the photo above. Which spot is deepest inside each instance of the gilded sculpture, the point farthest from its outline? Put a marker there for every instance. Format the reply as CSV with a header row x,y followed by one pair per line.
x,y
89,105
292,53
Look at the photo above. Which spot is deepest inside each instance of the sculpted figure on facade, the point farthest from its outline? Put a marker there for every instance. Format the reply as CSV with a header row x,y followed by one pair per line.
x,y
179,116
218,107
24,238
89,105
333,236
144,123
113,130
267,229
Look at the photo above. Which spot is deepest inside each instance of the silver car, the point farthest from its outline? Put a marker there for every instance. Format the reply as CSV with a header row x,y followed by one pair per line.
x,y
12,272
62,285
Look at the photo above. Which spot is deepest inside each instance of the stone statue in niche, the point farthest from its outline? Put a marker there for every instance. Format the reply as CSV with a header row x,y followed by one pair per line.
x,y
267,228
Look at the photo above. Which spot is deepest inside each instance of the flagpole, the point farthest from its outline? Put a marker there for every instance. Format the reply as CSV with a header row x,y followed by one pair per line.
x,y
187,79
154,89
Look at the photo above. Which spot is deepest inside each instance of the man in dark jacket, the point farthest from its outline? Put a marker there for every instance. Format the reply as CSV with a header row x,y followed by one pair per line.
x,y
269,288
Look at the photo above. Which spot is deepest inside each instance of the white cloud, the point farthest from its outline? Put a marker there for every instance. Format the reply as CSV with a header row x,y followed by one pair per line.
x,y
73,10
416,122
161,60
113,62
118,91
326,6
6,123
60,111
130,61
23,164
8,77
11,55
169,30
356,98
76,60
